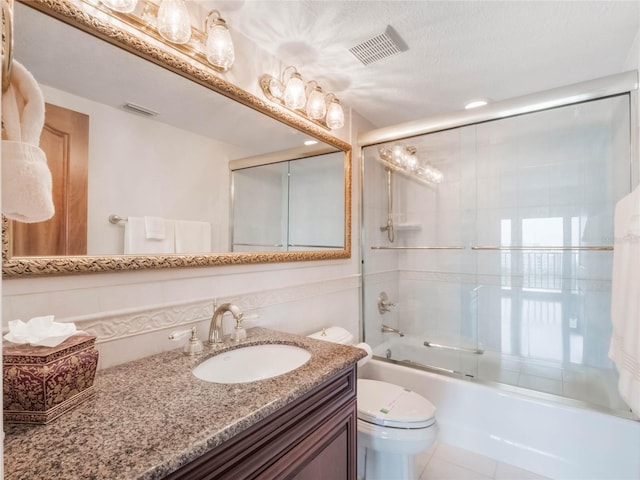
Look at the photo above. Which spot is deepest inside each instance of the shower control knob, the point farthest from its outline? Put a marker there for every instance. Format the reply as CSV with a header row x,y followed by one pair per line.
x,y
384,305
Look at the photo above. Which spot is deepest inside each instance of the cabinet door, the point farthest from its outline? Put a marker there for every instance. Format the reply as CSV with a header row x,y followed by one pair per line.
x,y
312,438
329,452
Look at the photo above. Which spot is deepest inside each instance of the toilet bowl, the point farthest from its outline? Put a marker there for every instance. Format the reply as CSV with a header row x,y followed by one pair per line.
x,y
394,426
394,423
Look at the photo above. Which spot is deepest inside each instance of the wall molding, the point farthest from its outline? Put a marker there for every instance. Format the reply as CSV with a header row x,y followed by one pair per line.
x,y
116,325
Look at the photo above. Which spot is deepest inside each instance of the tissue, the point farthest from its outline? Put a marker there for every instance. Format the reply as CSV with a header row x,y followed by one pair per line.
x,y
40,331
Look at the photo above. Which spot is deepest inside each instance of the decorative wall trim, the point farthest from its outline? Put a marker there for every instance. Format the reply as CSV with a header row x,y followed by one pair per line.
x,y
110,326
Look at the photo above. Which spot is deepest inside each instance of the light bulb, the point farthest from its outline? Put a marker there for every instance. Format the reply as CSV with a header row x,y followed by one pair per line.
x,y
335,115
124,6
276,88
219,46
384,153
411,162
431,174
316,106
397,154
174,23
294,96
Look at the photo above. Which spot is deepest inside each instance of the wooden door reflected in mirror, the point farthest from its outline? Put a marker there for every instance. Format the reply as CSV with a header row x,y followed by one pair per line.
x,y
65,141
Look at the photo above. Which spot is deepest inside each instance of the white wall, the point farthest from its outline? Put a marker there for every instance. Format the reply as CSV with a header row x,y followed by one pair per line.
x,y
144,167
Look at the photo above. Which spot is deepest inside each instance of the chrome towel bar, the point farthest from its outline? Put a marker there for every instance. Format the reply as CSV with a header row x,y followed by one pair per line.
x,y
113,218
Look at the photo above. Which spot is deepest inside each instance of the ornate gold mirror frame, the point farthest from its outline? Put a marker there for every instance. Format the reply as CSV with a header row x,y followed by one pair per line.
x,y
172,60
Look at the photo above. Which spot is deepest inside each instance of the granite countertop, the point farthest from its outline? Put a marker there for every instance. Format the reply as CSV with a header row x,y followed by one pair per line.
x,y
151,416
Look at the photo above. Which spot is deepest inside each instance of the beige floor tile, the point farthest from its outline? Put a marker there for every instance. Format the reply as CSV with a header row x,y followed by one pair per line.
x,y
438,469
509,472
464,458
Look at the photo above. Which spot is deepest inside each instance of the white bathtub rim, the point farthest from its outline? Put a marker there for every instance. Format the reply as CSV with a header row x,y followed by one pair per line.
x,y
556,452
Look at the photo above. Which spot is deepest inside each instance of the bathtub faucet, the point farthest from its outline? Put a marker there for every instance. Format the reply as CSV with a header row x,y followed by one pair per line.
x,y
387,329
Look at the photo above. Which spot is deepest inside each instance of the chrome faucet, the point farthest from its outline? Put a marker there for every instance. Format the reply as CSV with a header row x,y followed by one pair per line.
x,y
386,329
215,329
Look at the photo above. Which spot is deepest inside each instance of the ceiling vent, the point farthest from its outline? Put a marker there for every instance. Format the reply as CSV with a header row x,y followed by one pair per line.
x,y
379,47
133,108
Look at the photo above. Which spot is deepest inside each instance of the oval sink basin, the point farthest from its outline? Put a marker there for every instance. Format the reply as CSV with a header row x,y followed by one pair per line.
x,y
248,364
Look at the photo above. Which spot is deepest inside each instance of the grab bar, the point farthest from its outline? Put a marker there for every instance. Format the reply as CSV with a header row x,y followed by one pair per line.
x,y
553,248
477,351
433,367
428,247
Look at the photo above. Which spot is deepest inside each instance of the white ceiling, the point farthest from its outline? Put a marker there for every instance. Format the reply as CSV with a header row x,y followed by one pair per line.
x,y
458,50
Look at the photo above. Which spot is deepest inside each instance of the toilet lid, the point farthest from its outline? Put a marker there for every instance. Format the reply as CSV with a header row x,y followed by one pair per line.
x,y
389,405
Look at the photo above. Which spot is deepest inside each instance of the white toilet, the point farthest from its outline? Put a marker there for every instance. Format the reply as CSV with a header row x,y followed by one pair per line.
x,y
394,423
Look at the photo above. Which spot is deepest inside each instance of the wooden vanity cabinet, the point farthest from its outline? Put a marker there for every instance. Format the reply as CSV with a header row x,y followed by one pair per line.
x,y
314,437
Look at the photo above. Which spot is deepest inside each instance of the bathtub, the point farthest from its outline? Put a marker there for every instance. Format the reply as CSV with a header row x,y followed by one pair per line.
x,y
548,438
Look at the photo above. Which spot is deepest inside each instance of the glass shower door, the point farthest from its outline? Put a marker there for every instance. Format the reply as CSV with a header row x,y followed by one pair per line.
x,y
503,268
546,192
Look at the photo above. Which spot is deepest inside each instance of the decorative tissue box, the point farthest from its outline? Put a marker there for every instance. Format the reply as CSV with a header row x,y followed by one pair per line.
x,y
42,383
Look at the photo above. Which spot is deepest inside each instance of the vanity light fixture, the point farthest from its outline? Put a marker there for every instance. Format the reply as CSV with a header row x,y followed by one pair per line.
x,y
170,22
294,94
174,23
219,46
335,115
124,6
405,160
316,105
307,100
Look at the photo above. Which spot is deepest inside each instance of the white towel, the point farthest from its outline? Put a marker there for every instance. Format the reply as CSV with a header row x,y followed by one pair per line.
x,y
625,299
136,241
155,228
193,237
26,178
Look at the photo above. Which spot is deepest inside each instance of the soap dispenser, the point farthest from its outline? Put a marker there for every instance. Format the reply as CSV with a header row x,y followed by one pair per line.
x,y
193,346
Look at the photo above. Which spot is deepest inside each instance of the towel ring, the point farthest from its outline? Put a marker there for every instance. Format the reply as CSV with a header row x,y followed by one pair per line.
x,y
7,42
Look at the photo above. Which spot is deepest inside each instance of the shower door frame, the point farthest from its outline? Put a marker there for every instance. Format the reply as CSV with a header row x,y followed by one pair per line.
x,y
625,83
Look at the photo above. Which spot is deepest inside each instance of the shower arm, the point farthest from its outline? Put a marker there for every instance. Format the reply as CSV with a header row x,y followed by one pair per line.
x,y
389,226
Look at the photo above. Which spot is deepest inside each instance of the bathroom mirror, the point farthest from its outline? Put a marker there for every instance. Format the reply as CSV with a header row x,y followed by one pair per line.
x,y
87,64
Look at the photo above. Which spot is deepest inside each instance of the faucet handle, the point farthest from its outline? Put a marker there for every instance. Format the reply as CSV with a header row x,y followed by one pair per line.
x,y
239,332
384,305
193,346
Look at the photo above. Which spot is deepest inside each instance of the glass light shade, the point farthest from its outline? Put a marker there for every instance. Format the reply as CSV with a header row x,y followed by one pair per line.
x,y
411,162
385,153
335,115
124,6
397,154
316,106
430,174
294,96
174,23
276,88
219,47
